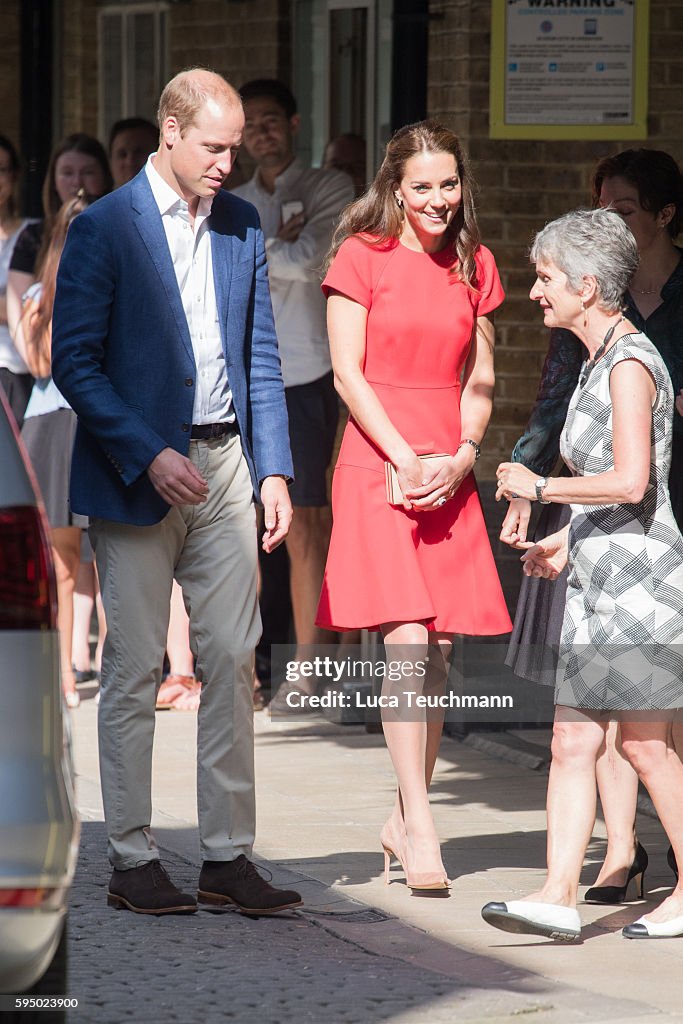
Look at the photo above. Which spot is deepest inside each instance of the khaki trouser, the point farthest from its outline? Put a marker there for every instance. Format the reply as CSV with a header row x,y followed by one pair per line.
x,y
211,549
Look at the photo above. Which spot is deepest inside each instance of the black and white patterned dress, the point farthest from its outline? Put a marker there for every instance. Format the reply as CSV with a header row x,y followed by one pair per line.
x,y
622,635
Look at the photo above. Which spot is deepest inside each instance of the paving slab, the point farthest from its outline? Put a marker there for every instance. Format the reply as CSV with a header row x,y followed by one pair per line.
x,y
360,951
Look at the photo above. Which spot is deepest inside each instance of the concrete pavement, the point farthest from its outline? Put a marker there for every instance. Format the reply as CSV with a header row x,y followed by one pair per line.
x,y
360,951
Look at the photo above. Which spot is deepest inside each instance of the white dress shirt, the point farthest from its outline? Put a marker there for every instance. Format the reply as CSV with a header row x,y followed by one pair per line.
x,y
295,269
191,255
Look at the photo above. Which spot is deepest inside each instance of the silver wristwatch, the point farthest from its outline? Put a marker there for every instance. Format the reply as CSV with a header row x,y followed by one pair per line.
x,y
540,484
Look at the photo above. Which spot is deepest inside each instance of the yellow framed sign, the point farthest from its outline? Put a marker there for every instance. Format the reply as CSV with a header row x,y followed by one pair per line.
x,y
569,69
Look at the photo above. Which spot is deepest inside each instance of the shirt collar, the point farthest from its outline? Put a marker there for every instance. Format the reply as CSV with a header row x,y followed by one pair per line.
x,y
288,176
167,199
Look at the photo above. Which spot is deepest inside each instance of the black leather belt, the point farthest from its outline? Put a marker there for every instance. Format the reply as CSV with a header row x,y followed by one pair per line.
x,y
211,431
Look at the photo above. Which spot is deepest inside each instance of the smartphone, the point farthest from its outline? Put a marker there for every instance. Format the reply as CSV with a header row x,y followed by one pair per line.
x,y
292,208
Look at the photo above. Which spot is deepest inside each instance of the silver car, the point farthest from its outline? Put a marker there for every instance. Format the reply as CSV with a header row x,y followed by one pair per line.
x,y
39,827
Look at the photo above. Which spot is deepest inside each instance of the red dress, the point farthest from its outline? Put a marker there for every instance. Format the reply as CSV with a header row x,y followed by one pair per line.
x,y
386,564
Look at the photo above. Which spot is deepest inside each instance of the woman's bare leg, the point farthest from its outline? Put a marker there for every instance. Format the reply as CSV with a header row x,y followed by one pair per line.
x,y
571,803
83,602
439,649
618,789
178,638
406,732
649,747
66,549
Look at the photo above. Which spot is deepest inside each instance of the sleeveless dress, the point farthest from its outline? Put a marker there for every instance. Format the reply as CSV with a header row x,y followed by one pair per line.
x,y
385,564
622,636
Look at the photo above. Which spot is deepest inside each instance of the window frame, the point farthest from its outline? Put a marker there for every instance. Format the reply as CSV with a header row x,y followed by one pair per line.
x,y
127,10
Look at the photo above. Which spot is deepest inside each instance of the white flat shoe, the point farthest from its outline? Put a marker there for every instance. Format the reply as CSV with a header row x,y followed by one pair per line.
x,y
644,929
527,918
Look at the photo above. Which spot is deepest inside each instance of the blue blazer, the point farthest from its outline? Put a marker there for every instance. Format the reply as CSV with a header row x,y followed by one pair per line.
x,y
122,355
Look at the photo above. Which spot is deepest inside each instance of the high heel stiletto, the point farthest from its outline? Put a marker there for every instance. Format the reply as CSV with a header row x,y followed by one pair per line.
x,y
617,893
419,881
391,844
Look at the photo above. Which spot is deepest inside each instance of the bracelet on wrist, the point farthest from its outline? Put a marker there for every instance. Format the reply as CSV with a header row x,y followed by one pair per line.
x,y
477,447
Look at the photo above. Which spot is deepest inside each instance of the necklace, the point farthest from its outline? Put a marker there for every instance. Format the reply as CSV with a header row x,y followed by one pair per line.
x,y
599,351
645,291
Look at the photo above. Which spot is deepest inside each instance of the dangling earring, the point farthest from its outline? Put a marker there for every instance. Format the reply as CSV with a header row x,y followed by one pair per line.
x,y
399,202
585,313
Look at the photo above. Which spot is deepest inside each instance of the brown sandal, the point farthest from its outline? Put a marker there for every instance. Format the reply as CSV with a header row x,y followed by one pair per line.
x,y
173,687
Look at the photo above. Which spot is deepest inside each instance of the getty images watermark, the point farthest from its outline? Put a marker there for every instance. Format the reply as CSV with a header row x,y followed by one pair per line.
x,y
405,684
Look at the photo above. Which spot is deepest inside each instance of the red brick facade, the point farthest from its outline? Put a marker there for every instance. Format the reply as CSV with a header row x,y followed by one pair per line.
x,y
522,183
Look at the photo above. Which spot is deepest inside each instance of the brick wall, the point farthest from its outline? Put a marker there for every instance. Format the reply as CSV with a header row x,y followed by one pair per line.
x,y
241,40
9,70
523,184
78,68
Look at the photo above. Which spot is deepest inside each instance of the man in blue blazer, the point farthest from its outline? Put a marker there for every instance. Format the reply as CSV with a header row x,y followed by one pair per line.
x,y
163,343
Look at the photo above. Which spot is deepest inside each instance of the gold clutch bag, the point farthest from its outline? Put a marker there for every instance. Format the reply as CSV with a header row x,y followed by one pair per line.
x,y
394,493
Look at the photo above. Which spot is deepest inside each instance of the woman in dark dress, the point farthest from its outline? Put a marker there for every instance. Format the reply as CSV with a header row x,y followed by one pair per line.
x,y
646,188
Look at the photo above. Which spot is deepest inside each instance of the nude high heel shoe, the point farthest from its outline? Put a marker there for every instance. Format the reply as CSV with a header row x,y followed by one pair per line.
x,y
423,881
392,844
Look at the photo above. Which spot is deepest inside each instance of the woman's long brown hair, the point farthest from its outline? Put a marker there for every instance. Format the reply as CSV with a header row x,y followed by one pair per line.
x,y
78,142
36,318
377,218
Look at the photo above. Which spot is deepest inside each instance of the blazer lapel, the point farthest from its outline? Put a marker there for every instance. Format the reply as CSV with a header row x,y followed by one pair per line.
x,y
221,258
151,229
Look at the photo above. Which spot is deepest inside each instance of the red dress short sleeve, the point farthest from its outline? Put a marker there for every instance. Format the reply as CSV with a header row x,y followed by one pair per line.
x,y
351,272
490,289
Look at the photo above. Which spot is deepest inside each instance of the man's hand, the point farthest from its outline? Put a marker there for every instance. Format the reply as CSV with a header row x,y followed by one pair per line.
x,y
176,479
277,512
516,524
290,231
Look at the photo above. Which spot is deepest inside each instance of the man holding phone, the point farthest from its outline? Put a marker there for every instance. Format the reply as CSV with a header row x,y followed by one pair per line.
x,y
299,207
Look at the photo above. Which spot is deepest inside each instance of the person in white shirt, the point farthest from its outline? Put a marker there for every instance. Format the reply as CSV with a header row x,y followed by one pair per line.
x,y
299,207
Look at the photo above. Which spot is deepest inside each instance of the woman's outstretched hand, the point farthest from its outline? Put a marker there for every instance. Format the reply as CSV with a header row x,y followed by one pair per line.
x,y
548,557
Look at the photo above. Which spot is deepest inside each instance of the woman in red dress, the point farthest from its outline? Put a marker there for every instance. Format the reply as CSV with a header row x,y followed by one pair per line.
x,y
410,296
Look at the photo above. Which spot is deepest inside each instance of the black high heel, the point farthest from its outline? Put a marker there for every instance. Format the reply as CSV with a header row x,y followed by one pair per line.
x,y
671,861
617,893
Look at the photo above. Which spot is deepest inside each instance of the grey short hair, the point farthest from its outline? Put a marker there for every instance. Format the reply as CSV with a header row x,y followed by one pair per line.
x,y
595,243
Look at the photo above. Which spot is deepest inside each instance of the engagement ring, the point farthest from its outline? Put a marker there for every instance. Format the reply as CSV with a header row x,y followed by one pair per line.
x,y
442,500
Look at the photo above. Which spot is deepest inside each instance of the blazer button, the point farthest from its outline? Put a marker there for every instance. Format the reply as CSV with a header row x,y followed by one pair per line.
x,y
186,427
188,382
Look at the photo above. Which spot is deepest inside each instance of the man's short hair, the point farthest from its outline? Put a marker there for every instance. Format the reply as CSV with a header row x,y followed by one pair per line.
x,y
132,124
187,92
272,89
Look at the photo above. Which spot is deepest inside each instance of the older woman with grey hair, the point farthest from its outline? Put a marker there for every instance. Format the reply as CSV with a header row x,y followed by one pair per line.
x,y
622,634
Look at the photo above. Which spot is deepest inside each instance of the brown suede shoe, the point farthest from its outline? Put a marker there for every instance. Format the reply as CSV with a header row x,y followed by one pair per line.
x,y
147,889
238,882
